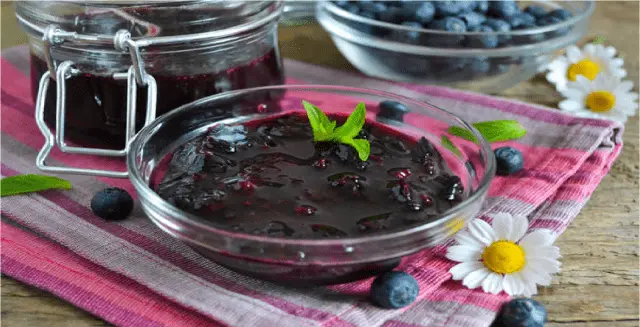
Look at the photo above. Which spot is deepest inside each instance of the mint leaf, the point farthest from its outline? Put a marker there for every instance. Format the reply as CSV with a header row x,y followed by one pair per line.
x,y
493,131
363,147
21,184
446,142
320,124
353,125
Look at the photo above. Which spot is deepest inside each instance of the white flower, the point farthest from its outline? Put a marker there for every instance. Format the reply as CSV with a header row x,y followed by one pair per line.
x,y
591,61
500,257
604,97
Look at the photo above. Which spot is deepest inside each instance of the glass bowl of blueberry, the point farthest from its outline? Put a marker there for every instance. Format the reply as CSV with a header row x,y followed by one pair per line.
x,y
316,185
485,46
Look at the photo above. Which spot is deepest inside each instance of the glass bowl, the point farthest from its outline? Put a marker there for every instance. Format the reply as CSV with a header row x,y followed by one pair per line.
x,y
307,261
461,60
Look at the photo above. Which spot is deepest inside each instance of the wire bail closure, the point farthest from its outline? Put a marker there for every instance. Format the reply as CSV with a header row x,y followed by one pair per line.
x,y
136,76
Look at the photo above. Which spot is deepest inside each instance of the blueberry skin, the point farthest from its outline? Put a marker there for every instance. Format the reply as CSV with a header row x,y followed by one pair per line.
x,y
560,13
521,19
482,41
392,110
341,3
112,204
354,9
536,11
501,26
550,20
521,313
448,8
375,8
408,36
482,6
503,8
449,24
391,15
509,160
394,290
364,27
472,19
424,14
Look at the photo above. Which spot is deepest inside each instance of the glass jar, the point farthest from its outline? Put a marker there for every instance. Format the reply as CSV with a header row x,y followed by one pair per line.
x,y
192,49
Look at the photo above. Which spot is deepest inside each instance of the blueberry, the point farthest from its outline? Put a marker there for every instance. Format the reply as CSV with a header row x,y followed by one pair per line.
x,y
521,313
482,6
551,20
500,26
449,24
509,160
112,204
466,5
520,19
503,8
364,27
392,110
560,13
375,8
472,19
341,3
424,14
479,66
409,36
482,41
391,15
448,8
536,11
354,9
394,290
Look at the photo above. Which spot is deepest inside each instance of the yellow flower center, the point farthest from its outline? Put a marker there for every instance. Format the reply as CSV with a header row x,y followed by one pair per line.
x,y
503,257
600,101
585,67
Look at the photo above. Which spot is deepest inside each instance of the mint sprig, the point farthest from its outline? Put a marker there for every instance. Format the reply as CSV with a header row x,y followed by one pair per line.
x,y
492,131
30,183
324,129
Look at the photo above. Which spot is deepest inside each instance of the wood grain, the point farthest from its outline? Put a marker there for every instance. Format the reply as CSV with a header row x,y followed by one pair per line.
x,y
598,286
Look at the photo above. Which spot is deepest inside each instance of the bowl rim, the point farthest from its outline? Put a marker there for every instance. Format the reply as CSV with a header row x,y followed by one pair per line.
x,y
150,196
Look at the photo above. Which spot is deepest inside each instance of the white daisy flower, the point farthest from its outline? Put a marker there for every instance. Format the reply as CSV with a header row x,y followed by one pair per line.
x,y
589,62
499,257
605,97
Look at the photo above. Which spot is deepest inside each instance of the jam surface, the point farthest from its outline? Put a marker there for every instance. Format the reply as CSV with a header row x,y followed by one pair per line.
x,y
268,177
96,105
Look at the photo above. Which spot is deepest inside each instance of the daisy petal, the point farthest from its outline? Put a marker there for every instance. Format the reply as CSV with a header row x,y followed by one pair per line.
x,y
530,275
549,266
502,225
462,253
492,283
520,226
623,87
590,49
465,238
475,278
538,237
610,51
550,252
616,62
510,285
573,54
586,83
482,231
570,105
461,270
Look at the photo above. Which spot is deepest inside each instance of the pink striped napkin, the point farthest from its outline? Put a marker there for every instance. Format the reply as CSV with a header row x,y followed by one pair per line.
x,y
131,274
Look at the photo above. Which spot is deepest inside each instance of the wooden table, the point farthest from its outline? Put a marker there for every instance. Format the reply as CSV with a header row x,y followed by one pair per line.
x,y
598,285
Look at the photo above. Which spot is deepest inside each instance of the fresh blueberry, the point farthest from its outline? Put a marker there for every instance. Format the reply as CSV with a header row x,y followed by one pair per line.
x,y
521,19
341,3
112,204
509,160
364,27
424,14
479,66
375,8
560,13
447,8
472,19
500,26
354,9
482,41
392,110
482,6
521,313
551,20
449,24
503,8
394,290
466,5
409,36
536,11
391,15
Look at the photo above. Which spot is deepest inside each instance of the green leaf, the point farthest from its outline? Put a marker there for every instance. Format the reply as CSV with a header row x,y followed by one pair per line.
x,y
446,142
363,147
31,183
353,125
320,124
493,131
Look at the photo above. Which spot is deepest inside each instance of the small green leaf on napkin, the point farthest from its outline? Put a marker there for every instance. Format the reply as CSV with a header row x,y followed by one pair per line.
x,y
446,142
493,131
21,184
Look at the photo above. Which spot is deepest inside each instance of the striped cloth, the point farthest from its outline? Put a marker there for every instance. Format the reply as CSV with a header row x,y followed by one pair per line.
x,y
131,274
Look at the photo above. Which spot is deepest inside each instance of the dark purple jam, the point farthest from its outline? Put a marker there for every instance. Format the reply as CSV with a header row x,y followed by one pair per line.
x,y
96,105
268,177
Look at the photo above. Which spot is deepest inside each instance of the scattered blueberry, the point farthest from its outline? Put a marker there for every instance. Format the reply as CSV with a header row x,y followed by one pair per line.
x,y
449,24
392,110
521,19
503,8
536,11
560,13
483,41
521,313
112,204
424,13
509,160
472,19
394,290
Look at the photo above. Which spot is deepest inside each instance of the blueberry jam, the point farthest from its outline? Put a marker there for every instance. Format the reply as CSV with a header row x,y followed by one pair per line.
x,y
267,177
96,105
